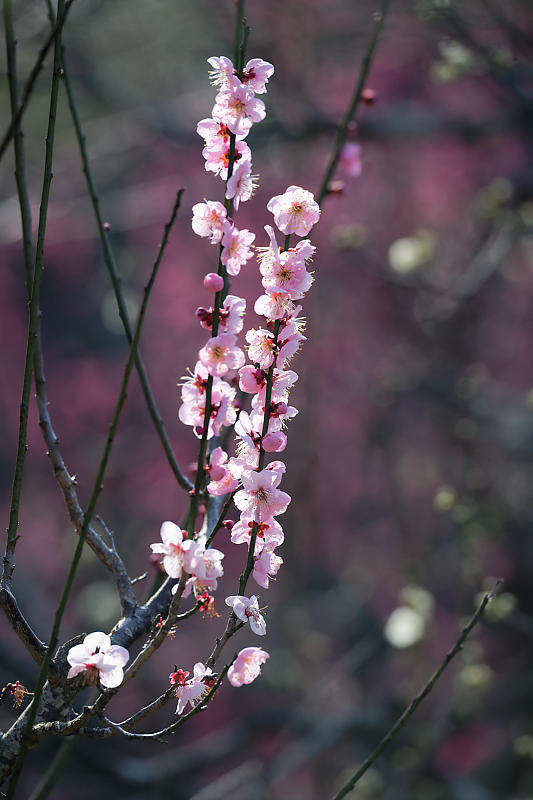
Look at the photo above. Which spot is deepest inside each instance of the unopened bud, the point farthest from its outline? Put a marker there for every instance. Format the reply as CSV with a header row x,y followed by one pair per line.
x,y
213,282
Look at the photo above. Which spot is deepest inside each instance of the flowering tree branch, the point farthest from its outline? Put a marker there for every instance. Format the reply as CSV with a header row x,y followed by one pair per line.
x,y
342,130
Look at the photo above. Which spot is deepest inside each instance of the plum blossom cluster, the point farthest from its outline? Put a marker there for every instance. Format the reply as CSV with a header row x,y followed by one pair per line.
x,y
209,401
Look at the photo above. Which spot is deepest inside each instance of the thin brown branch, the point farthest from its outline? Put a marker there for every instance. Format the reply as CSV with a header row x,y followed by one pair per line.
x,y
415,702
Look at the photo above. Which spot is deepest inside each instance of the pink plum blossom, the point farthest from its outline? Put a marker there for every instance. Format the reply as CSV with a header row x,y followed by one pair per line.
x,y
223,72
99,659
295,211
274,442
209,220
247,610
266,566
192,690
220,354
252,379
236,249
247,666
256,73
217,157
260,497
230,317
237,108
269,533
261,347
242,184
176,548
214,134
273,306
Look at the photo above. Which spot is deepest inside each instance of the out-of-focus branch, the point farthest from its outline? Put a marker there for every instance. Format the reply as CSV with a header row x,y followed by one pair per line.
x,y
342,130
66,483
16,619
415,702
30,83
110,262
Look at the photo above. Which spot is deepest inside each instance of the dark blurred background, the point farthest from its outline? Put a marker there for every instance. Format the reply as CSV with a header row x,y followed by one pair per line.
x,y
411,462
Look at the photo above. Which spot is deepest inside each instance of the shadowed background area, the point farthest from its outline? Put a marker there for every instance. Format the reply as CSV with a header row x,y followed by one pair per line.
x,y
410,463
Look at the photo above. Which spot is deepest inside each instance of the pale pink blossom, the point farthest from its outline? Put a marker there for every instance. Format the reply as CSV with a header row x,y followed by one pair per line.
x,y
209,220
266,566
269,533
260,497
247,610
238,108
252,379
223,480
256,73
282,383
192,690
217,157
242,184
176,548
214,134
99,659
220,354
236,249
230,316
261,347
295,211
273,306
222,73
247,666
192,410
274,442
206,565
350,159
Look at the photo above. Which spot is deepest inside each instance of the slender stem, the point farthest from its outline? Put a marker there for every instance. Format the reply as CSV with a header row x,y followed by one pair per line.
x,y
415,702
32,331
111,265
53,772
342,130
220,519
30,83
8,563
66,483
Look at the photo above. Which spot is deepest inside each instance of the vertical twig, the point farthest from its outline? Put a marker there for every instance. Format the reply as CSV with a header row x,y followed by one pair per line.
x,y
32,332
415,702
342,130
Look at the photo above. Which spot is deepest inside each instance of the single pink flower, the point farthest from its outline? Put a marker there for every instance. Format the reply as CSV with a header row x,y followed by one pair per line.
x,y
220,354
236,249
242,184
99,659
295,211
247,610
260,347
269,533
266,566
260,497
192,690
256,73
247,666
237,108
217,157
176,549
209,220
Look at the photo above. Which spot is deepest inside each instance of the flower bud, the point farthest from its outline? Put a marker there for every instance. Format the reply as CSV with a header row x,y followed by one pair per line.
x,y
213,282
274,442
